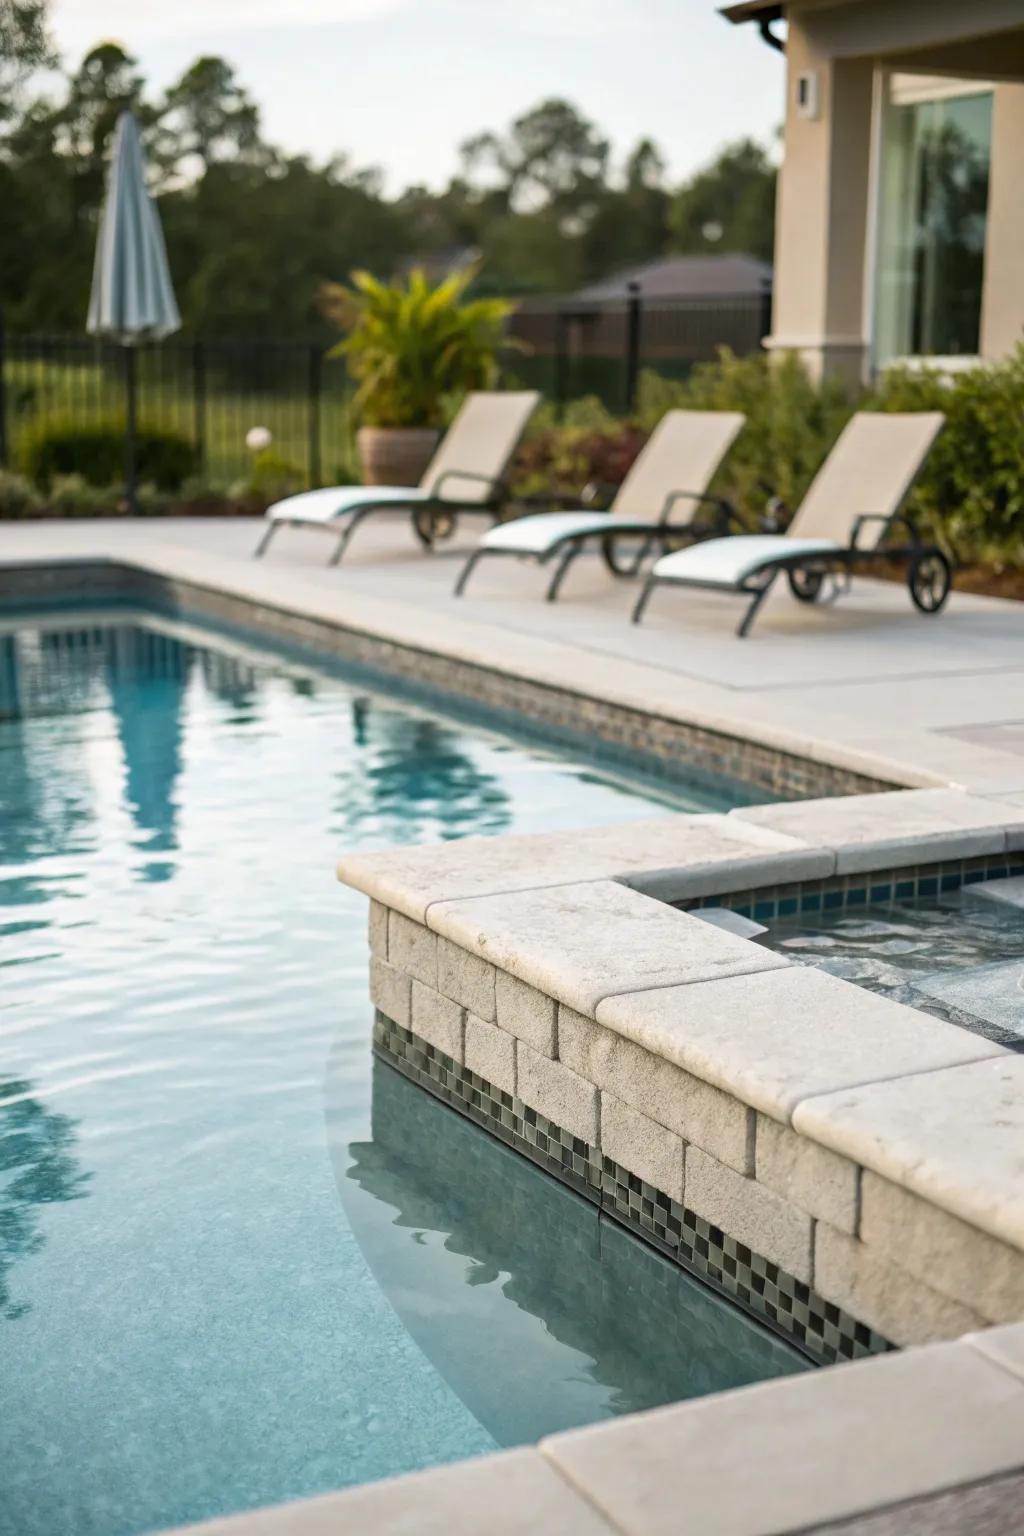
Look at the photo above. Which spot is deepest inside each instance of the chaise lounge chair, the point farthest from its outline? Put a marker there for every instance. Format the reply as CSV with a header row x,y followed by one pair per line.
x,y
465,475
674,467
855,497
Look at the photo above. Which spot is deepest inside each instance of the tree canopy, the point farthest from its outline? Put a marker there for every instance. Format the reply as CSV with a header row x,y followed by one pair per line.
x,y
543,202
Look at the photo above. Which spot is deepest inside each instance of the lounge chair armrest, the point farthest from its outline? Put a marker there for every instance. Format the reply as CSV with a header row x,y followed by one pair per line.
x,y
725,512
498,488
888,520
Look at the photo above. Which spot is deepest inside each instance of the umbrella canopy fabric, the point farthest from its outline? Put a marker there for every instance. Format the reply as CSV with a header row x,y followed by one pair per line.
x,y
132,298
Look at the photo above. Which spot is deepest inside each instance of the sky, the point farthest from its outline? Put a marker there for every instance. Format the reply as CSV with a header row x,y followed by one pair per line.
x,y
398,84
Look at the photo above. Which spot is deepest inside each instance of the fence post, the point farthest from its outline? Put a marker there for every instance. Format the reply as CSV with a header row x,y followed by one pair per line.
x,y
315,383
633,318
560,383
765,317
3,394
199,403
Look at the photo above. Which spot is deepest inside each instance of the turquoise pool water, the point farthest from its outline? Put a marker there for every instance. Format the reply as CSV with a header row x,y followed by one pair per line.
x,y
238,1265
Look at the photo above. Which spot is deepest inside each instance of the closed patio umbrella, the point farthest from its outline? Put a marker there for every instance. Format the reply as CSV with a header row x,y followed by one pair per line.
x,y
132,299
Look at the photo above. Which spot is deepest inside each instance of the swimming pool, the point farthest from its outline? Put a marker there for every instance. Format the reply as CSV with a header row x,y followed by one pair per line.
x,y
960,957
223,1280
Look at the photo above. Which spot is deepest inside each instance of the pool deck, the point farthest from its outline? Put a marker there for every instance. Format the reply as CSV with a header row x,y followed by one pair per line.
x,y
930,1439
866,683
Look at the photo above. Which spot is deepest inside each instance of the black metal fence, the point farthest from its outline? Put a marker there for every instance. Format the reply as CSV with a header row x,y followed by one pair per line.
x,y
577,348
211,391
214,391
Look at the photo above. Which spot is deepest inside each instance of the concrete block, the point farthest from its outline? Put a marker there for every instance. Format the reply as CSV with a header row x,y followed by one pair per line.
x,y
491,1053
642,1146
680,1102
526,1013
956,1259
377,930
745,1210
773,1038
391,992
807,1175
882,1294
954,1137
556,1091
466,979
791,1455
437,1020
413,949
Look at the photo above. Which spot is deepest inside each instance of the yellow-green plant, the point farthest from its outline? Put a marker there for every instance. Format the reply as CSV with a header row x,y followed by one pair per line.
x,y
411,346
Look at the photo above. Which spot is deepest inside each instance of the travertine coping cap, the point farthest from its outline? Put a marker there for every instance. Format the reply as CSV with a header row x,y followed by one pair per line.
x,y
790,1455
582,943
896,828
674,856
774,1039
955,1137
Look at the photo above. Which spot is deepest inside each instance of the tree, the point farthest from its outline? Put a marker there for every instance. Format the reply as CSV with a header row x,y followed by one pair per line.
x,y
729,206
207,117
24,46
551,157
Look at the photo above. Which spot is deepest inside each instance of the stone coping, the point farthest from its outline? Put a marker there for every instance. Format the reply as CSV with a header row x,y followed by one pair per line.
x,y
908,1097
783,1456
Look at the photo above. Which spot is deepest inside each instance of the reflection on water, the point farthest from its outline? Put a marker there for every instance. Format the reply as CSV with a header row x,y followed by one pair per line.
x,y
204,1332
540,1315
411,764
37,1168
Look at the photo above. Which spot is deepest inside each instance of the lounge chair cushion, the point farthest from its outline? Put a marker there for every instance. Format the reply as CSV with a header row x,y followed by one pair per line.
x,y
728,562
536,534
333,504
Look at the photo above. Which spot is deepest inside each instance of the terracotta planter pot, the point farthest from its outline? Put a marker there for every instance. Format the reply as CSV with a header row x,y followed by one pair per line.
x,y
395,455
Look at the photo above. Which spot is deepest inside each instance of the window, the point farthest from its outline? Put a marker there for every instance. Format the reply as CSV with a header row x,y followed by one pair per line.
x,y
933,193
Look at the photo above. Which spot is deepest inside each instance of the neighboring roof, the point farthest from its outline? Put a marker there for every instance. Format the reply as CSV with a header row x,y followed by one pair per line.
x,y
753,10
680,277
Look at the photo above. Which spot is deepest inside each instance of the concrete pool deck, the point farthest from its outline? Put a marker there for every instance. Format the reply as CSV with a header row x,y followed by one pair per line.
x,y
866,683
791,1137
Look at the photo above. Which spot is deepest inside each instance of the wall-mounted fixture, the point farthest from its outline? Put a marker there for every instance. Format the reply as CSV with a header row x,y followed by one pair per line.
x,y
807,93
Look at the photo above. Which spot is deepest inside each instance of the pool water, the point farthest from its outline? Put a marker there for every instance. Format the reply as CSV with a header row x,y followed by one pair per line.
x,y
238,1264
960,958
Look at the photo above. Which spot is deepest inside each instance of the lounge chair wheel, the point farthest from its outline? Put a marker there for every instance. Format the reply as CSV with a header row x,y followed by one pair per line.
x,y
929,579
433,525
805,585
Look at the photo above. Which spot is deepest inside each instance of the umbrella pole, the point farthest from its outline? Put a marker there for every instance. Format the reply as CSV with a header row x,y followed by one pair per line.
x,y
129,440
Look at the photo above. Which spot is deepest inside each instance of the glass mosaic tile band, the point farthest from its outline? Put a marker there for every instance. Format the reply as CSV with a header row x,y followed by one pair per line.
x,y
821,1330
837,893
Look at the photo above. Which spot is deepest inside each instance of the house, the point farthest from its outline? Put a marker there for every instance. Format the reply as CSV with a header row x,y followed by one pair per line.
x,y
685,277
900,214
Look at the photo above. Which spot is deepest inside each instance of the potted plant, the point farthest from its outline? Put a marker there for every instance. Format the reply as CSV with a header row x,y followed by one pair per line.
x,y
411,347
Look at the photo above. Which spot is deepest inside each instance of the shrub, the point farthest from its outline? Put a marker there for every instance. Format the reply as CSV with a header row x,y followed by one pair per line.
x,y
18,496
52,447
971,491
271,478
791,422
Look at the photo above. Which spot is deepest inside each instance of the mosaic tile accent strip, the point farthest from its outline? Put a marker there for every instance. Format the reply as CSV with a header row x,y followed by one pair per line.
x,y
559,714
786,1305
837,893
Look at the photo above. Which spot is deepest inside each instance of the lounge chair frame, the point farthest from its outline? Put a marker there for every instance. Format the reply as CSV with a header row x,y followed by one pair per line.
x,y
929,573
660,533
434,517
